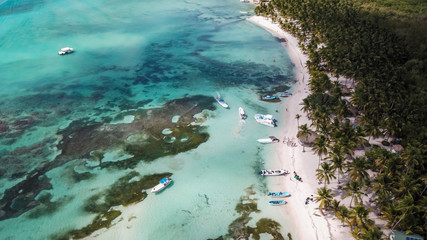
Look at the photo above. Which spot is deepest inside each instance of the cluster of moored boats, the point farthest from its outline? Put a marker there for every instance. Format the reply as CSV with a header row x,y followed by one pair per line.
x,y
276,172
263,119
267,120
278,195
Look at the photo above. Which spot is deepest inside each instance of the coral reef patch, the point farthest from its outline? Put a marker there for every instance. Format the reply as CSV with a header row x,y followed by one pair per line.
x,y
238,229
84,136
125,191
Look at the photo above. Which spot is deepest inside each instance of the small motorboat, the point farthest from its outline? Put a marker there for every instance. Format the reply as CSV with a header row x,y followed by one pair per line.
x,y
269,98
221,101
277,202
271,139
66,50
242,113
162,184
285,94
279,194
266,120
275,172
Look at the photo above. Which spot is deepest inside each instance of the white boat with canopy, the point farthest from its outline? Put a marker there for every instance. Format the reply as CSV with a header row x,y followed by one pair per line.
x,y
221,101
66,50
266,120
162,184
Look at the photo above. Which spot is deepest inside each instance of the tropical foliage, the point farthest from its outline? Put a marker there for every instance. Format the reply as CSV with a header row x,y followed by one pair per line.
x,y
380,47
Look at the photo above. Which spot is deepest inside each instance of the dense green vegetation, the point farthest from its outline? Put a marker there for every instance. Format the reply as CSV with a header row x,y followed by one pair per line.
x,y
381,47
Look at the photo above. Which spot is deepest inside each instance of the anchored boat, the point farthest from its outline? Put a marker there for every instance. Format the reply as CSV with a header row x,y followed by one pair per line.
x,y
162,184
221,101
66,50
271,139
242,113
277,203
266,120
279,194
275,172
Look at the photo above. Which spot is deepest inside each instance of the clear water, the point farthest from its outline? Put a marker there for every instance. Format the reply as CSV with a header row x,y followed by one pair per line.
x,y
127,52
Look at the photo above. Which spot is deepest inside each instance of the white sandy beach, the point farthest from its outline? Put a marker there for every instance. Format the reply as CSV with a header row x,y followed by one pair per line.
x,y
307,219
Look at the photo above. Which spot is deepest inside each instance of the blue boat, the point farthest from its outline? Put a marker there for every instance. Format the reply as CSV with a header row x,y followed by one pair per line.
x,y
269,98
279,194
277,203
285,94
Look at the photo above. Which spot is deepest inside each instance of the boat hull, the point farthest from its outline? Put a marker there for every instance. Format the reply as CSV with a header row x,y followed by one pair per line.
x,y
242,113
277,203
268,140
279,194
162,185
276,172
222,102
267,120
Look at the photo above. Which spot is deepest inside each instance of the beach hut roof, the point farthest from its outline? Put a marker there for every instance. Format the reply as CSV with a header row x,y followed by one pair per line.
x,y
309,139
397,148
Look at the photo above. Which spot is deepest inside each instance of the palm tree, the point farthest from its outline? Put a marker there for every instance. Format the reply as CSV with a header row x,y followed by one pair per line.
x,y
320,146
354,190
359,216
298,117
407,185
336,156
306,105
371,233
357,169
343,214
325,197
303,133
335,205
325,173
413,158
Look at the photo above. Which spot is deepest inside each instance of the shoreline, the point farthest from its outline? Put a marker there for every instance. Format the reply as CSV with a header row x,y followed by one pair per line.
x,y
303,163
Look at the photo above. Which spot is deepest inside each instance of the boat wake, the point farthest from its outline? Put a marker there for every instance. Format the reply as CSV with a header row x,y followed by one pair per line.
x,y
239,127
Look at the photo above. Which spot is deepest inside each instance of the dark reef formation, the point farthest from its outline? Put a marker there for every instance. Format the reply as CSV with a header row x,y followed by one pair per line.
x,y
144,139
238,229
122,192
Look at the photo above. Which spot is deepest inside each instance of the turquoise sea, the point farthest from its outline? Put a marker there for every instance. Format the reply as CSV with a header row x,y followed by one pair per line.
x,y
83,134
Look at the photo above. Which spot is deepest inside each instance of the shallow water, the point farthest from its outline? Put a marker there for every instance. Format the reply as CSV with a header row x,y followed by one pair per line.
x,y
132,56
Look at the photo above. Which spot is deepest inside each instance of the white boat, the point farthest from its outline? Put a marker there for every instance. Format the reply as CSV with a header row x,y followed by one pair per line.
x,y
66,50
266,120
277,202
279,194
275,172
242,113
162,184
271,139
220,100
